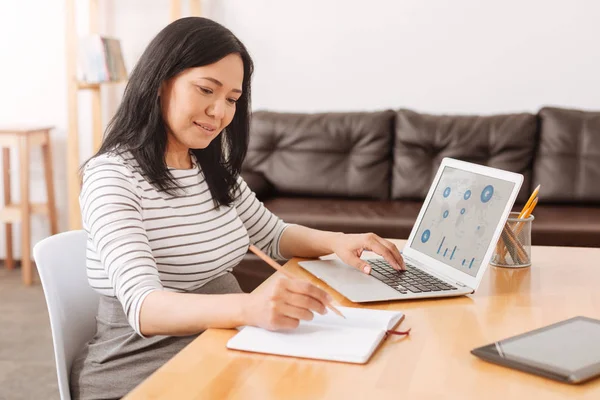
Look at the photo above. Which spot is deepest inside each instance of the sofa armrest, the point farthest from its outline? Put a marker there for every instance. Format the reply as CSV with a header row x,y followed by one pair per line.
x,y
258,184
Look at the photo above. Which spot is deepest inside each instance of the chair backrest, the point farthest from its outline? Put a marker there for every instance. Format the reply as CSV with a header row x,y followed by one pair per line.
x,y
72,303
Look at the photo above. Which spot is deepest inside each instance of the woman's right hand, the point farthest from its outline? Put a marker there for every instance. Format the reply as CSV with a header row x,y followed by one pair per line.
x,y
281,304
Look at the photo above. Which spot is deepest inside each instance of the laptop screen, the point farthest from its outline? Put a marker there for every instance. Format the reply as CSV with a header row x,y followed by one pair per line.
x,y
460,220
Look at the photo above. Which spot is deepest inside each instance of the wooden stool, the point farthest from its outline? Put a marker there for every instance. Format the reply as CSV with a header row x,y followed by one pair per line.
x,y
24,138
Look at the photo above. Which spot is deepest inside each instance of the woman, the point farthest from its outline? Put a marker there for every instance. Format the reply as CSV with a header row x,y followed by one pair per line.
x,y
168,215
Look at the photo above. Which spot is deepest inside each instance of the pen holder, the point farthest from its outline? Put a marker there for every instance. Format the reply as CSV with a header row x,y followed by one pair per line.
x,y
513,249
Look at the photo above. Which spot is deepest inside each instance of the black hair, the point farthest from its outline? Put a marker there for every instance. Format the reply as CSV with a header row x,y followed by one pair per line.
x,y
138,124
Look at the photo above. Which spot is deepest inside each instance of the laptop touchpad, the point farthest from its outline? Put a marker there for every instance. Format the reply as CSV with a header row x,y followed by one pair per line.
x,y
336,271
349,281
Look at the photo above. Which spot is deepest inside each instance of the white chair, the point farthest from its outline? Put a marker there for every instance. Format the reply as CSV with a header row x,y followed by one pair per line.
x,y
72,303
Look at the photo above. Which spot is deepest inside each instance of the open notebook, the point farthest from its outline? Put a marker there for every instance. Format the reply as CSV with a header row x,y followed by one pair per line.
x,y
326,337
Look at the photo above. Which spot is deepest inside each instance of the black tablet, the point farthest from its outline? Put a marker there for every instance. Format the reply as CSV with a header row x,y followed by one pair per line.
x,y
568,351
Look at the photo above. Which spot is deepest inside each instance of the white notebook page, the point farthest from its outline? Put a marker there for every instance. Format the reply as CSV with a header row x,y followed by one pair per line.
x,y
327,337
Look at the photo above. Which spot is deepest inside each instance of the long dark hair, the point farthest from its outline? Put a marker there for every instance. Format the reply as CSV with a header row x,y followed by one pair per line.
x,y
138,125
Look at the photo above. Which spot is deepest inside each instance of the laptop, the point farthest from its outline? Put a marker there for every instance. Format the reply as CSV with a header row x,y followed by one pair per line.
x,y
450,245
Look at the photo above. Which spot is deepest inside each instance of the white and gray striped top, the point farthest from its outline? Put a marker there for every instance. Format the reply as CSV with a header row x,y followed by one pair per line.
x,y
141,239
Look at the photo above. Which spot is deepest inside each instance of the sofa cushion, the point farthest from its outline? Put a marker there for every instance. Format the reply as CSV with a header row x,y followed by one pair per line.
x,y
422,141
393,219
258,184
567,164
329,154
566,225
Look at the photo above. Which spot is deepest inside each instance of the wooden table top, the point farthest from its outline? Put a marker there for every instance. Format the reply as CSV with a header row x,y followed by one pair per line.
x,y
434,362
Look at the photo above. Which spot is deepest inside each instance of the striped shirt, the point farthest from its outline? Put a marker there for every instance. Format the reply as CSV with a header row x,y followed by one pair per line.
x,y
141,239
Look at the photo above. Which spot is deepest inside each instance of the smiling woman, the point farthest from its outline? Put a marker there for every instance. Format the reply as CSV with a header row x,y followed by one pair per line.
x,y
198,104
168,215
195,71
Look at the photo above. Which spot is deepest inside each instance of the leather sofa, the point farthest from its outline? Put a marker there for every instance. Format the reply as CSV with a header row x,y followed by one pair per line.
x,y
370,171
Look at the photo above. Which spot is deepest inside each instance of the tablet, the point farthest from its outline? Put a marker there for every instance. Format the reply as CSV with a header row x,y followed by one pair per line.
x,y
567,351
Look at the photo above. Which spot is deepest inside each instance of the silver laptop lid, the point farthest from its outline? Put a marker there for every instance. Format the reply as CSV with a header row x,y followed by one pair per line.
x,y
461,219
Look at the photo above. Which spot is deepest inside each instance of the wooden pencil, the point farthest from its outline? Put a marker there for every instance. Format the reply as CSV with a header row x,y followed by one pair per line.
x,y
502,251
517,252
521,225
279,268
530,201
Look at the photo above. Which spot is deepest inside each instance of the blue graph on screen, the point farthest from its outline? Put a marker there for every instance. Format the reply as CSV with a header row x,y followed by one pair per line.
x,y
455,227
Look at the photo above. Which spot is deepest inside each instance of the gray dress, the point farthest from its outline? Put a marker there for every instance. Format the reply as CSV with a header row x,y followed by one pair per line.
x,y
117,359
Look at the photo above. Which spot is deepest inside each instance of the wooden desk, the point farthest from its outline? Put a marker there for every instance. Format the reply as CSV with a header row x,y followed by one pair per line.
x,y
433,363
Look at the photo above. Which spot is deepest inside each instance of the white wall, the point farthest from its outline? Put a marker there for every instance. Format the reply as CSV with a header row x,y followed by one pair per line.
x,y
438,56
33,92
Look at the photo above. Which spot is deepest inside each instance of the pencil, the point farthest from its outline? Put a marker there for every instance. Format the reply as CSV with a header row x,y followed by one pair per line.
x,y
532,198
529,201
521,225
530,209
517,252
278,267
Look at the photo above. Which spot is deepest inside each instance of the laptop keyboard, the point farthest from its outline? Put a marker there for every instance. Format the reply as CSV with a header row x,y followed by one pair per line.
x,y
413,280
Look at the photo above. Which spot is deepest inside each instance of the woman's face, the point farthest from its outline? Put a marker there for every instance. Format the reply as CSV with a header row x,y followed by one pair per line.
x,y
200,102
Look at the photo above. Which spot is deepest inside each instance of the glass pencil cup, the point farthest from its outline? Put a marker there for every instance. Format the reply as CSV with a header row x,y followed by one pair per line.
x,y
513,249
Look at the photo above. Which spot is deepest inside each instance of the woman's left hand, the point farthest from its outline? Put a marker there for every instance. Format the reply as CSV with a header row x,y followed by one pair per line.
x,y
349,248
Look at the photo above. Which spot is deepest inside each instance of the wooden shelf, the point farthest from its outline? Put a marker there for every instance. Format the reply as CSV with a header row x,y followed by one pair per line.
x,y
97,85
74,86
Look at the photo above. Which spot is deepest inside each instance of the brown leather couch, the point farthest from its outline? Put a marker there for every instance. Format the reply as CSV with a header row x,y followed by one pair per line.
x,y
370,171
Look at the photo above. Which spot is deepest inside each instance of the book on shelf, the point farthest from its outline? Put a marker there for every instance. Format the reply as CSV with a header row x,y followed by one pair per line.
x,y
100,60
